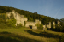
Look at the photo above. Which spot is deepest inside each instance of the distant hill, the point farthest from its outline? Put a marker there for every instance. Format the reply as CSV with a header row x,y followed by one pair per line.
x,y
31,16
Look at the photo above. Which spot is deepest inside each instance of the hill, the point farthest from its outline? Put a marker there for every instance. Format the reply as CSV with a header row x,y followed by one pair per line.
x,y
23,34
31,16
10,33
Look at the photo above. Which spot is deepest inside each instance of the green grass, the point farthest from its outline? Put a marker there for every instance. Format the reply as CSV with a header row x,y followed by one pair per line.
x,y
10,37
23,32
30,35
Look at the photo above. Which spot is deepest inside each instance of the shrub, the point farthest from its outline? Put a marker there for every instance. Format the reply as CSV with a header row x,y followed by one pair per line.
x,y
11,22
39,26
19,25
2,18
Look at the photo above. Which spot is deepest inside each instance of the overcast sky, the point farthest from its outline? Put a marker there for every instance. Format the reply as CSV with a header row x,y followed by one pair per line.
x,y
51,8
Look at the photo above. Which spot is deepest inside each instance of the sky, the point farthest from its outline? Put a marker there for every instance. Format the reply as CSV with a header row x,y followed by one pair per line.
x,y
51,8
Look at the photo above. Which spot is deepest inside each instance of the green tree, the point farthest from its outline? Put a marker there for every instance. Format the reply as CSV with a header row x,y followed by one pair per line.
x,y
62,20
11,22
39,26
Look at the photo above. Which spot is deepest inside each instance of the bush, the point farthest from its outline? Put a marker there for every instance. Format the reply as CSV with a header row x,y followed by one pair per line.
x,y
19,25
11,22
39,26
2,18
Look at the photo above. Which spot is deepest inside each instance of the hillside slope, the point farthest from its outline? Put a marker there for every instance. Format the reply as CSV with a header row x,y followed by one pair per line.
x,y
31,16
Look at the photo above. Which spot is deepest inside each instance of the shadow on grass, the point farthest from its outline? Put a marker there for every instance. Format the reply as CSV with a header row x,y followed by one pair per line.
x,y
45,34
9,37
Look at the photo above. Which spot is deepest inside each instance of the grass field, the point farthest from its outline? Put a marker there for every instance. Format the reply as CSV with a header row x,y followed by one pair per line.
x,y
38,35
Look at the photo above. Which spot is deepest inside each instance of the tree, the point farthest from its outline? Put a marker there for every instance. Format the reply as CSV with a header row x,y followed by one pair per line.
x,y
11,22
62,20
39,26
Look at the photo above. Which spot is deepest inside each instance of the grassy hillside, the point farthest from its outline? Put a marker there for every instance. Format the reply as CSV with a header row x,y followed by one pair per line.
x,y
31,17
10,37
23,34
10,33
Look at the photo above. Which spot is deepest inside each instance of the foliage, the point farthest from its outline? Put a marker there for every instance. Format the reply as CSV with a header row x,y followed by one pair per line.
x,y
59,28
19,25
31,16
11,22
39,26
62,20
2,17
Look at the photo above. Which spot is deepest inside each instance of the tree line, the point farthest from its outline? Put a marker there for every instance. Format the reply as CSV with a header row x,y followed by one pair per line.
x,y
32,16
